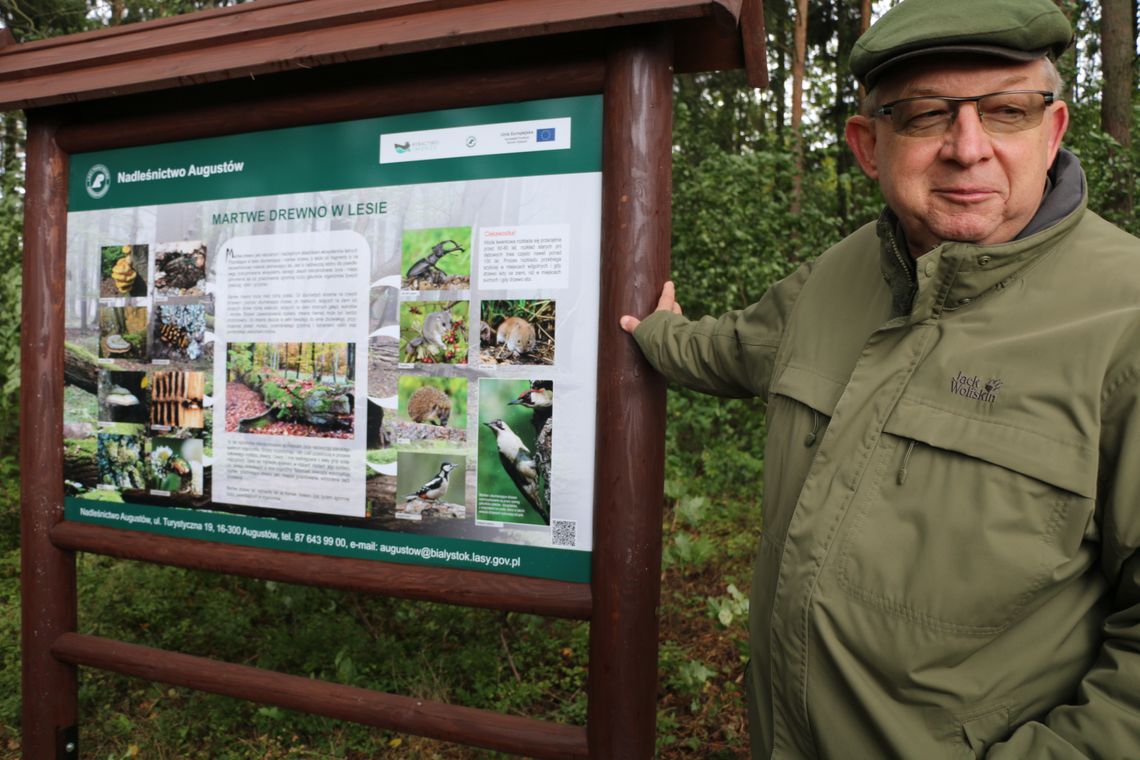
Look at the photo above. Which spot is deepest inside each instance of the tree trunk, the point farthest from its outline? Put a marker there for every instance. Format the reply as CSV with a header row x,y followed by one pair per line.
x,y
799,62
864,25
1118,58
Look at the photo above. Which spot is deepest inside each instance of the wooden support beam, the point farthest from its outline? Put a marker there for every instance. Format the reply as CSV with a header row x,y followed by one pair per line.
x,y
362,91
47,573
636,195
470,588
755,42
481,728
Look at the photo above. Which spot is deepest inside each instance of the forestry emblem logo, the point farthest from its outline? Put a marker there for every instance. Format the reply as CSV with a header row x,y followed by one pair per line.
x,y
98,181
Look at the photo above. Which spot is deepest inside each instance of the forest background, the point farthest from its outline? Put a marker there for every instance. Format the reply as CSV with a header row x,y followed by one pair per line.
x,y
762,182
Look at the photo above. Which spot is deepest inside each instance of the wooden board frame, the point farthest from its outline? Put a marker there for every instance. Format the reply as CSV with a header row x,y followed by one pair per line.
x,y
633,70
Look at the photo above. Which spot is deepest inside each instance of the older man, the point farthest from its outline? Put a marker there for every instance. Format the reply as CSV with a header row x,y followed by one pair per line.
x,y
949,561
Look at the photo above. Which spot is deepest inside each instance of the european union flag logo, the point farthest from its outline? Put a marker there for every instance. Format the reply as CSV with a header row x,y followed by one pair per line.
x,y
544,135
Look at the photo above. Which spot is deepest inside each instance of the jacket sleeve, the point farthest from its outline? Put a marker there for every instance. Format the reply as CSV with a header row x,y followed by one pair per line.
x,y
1103,721
730,356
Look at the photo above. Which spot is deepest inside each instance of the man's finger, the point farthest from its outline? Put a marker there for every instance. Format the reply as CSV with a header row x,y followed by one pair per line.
x,y
629,323
668,297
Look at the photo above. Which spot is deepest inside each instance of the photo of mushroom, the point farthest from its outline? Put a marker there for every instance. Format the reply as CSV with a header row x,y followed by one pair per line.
x,y
516,332
180,268
122,396
516,419
123,269
433,332
122,332
436,259
178,400
179,332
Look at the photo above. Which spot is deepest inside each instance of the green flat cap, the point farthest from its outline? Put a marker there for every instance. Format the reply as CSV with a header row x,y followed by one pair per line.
x,y
1019,30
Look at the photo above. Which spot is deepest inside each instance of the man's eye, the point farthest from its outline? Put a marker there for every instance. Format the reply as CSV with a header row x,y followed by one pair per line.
x,y
927,117
1005,113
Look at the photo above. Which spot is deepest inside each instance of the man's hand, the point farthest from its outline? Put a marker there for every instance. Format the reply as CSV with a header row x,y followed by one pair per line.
x,y
667,302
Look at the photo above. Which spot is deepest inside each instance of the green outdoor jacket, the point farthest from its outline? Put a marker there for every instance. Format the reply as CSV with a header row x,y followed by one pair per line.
x,y
949,565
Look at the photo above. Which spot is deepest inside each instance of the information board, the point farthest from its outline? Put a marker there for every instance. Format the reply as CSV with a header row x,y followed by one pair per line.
x,y
373,339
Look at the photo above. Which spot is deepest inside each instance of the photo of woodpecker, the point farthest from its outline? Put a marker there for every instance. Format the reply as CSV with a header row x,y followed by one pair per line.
x,y
516,332
430,485
515,451
436,259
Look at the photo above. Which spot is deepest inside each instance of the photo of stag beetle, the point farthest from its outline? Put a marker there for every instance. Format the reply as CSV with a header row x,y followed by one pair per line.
x,y
425,269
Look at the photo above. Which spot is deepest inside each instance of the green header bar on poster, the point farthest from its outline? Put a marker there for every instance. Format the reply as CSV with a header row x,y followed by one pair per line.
x,y
509,140
334,540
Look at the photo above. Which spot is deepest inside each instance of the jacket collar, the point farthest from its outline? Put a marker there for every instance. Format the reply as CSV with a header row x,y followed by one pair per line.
x,y
954,274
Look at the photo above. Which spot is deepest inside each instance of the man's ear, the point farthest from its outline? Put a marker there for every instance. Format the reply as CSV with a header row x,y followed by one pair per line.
x,y
860,133
1058,124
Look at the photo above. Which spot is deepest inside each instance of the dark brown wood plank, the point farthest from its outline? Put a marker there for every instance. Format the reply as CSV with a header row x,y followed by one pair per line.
x,y
285,102
636,194
755,42
241,53
47,573
470,588
481,728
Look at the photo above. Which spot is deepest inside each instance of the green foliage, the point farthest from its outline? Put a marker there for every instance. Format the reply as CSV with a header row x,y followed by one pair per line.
x,y
508,662
730,608
239,360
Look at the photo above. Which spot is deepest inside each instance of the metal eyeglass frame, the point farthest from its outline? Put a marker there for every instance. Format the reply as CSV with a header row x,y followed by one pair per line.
x,y
887,108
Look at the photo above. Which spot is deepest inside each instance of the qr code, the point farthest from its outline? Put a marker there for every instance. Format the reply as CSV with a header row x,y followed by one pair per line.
x,y
564,533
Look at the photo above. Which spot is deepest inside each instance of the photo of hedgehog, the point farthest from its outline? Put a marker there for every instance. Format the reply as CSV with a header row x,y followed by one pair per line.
x,y
431,408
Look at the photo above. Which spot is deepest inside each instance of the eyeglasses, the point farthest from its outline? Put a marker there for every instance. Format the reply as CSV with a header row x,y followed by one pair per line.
x,y
999,112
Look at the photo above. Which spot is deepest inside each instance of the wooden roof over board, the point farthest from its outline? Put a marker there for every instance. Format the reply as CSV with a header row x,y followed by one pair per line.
x,y
270,36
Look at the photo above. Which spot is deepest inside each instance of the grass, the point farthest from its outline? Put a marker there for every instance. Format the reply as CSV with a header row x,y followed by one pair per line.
x,y
509,662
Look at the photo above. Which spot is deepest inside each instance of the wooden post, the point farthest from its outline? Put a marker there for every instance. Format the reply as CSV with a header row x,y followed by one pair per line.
x,y
636,196
47,573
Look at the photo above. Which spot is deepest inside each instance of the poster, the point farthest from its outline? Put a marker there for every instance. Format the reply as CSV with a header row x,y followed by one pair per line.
x,y
374,338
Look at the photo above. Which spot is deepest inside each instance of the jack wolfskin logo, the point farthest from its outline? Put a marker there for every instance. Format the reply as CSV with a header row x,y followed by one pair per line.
x,y
971,386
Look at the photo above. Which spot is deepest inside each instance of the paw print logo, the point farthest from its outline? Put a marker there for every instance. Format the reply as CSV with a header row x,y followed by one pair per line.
x,y
992,385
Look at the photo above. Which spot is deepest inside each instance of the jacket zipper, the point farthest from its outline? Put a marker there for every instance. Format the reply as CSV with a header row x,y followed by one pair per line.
x,y
906,460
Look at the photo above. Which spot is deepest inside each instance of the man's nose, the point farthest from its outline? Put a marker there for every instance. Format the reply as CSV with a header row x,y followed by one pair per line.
x,y
967,141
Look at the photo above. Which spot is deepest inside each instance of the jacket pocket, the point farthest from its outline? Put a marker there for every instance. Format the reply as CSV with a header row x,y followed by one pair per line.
x,y
983,729
960,535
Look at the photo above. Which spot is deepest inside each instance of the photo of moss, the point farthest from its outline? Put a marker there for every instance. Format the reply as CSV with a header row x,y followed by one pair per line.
x,y
438,258
119,458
